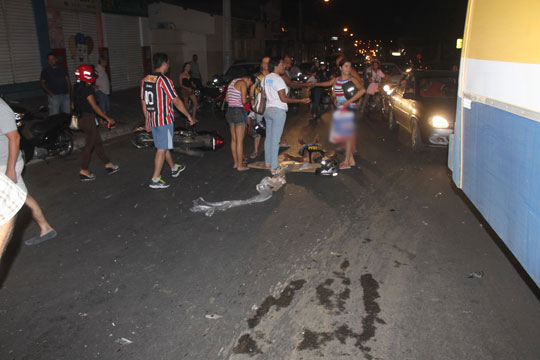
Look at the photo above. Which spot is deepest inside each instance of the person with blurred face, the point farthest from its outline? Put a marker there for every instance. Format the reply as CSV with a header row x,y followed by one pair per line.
x,y
255,89
346,76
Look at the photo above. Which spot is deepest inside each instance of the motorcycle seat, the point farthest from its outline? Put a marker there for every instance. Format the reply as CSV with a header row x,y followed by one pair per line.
x,y
50,123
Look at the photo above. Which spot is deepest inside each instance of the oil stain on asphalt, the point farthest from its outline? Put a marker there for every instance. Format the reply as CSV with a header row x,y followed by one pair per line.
x,y
333,302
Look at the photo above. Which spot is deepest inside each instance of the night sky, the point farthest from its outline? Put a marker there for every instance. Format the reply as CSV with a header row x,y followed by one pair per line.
x,y
425,20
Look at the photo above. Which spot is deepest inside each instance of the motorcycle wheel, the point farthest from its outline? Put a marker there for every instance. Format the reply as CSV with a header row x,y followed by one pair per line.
x,y
65,145
138,141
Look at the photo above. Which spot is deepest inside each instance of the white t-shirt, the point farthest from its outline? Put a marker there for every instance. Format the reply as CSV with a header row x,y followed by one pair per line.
x,y
7,125
102,81
272,84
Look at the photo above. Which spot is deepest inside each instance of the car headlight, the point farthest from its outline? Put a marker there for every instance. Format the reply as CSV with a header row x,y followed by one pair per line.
x,y
439,122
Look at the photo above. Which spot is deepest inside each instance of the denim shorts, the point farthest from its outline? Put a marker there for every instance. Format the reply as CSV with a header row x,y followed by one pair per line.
x,y
163,137
236,116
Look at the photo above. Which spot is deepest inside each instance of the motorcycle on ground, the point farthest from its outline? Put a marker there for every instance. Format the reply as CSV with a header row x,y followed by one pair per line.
x,y
43,136
186,139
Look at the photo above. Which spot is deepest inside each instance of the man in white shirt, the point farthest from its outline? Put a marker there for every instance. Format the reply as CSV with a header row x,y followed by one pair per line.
x,y
103,85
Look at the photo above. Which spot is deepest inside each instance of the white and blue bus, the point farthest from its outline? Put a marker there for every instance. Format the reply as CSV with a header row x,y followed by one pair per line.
x,y
494,153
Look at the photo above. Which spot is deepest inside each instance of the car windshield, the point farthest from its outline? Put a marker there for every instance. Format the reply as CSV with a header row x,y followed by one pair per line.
x,y
441,86
236,71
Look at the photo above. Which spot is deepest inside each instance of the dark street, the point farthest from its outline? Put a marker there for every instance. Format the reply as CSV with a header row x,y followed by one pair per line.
x,y
384,261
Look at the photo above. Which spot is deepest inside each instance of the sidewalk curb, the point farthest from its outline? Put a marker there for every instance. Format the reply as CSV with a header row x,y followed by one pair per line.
x,y
106,134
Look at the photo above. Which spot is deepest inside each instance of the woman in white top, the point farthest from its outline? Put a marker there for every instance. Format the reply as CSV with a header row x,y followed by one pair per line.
x,y
276,111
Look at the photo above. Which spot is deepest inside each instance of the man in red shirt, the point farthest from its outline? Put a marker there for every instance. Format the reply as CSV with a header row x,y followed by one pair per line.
x,y
157,99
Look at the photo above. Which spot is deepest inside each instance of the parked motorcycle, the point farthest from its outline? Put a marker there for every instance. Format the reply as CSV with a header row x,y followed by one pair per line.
x,y
43,137
186,140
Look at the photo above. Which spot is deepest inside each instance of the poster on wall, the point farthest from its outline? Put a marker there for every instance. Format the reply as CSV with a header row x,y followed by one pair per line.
x,y
80,47
56,32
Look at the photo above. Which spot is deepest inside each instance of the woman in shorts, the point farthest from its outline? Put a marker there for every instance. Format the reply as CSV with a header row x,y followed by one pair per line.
x,y
236,117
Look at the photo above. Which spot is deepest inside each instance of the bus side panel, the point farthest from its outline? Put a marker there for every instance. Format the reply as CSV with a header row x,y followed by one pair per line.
x,y
501,176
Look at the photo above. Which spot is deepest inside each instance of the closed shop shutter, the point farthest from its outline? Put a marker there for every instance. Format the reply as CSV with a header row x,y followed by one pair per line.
x,y
73,23
20,60
122,37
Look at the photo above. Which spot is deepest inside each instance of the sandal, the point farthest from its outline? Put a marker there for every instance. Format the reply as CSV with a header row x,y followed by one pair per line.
x,y
112,169
343,166
254,155
87,177
275,171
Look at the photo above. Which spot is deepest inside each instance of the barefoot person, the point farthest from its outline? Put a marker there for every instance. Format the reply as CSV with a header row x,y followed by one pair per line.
x,y
157,99
236,117
12,164
276,111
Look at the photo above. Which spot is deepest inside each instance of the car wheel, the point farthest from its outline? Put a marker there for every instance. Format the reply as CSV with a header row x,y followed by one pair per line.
x,y
392,125
416,137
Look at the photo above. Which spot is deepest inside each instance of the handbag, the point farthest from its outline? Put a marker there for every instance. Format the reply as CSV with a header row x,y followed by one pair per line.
x,y
74,123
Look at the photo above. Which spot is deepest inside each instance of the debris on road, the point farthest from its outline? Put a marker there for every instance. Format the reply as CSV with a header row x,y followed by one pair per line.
x,y
264,188
123,341
335,254
213,316
477,275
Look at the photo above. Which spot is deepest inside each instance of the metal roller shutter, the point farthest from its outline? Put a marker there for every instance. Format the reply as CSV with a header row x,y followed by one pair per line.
x,y
122,36
20,60
74,22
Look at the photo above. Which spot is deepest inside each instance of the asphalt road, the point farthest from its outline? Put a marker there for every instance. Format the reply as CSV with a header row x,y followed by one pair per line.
x,y
371,264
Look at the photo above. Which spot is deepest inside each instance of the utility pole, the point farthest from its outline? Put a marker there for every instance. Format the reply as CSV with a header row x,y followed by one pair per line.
x,y
227,41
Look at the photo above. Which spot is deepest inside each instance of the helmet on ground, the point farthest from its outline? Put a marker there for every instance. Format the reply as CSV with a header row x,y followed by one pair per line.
x,y
85,73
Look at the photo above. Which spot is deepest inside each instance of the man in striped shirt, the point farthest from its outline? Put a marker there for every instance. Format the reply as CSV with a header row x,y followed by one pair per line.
x,y
157,99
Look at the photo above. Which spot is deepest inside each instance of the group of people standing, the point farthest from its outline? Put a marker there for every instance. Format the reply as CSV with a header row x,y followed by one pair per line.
x,y
274,80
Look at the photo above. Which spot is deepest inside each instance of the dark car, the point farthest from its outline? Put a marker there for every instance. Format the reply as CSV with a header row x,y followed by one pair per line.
x,y
424,104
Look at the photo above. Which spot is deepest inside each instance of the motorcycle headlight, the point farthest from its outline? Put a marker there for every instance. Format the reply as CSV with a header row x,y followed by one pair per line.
x,y
387,89
439,122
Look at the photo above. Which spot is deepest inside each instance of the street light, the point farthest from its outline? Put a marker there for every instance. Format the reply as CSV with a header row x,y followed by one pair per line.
x,y
345,29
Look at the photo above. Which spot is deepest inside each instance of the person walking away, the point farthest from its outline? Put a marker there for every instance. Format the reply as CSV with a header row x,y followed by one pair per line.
x,y
102,85
188,88
346,76
12,164
276,111
55,82
254,91
12,198
86,107
157,99
196,72
236,117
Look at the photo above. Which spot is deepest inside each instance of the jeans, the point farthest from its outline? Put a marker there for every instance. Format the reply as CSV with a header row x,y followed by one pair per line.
x,y
316,94
275,121
59,103
103,101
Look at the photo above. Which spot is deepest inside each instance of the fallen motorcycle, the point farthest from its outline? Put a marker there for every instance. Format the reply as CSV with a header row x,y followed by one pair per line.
x,y
43,136
186,140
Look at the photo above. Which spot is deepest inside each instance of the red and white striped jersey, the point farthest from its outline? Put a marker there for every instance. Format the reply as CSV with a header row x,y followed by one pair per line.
x,y
157,91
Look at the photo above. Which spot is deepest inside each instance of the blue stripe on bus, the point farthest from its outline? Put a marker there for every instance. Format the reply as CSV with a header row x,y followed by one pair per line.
x,y
501,176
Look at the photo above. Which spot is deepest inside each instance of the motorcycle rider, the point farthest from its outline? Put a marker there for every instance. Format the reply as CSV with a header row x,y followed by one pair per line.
x,y
12,164
157,98
86,107
374,77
